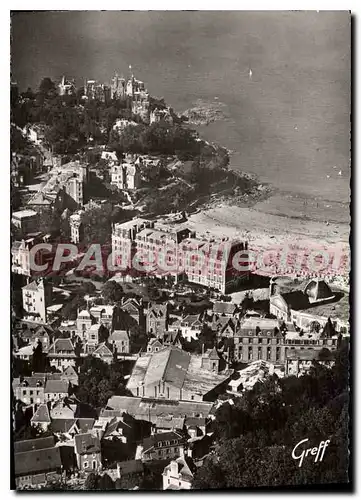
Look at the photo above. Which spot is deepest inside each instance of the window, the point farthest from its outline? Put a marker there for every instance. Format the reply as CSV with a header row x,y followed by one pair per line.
x,y
192,398
94,464
86,465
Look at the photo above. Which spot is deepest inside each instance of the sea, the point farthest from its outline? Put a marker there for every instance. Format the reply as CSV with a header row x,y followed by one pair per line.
x,y
283,80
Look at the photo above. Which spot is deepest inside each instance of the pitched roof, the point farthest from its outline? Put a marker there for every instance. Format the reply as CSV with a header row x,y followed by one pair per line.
x,y
130,467
32,286
169,365
42,414
184,466
31,462
191,318
118,335
85,424
86,443
62,346
151,441
212,353
33,444
57,386
61,425
103,350
70,371
224,308
318,290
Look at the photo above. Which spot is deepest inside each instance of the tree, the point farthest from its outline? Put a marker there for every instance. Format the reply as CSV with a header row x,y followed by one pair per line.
x,y
328,330
105,483
91,482
112,292
38,359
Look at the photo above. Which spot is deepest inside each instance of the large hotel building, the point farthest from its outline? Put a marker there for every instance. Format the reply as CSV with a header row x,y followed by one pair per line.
x,y
162,249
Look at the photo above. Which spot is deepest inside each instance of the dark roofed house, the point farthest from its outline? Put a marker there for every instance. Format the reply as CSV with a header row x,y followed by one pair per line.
x,y
224,308
178,475
61,354
163,446
157,318
33,444
64,426
37,467
88,452
41,417
56,389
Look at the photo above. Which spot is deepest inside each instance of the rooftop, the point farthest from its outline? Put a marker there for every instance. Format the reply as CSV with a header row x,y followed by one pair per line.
x,y
23,214
33,444
86,443
41,414
32,462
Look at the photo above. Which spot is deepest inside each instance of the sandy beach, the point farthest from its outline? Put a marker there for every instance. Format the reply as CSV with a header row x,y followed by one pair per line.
x,y
268,231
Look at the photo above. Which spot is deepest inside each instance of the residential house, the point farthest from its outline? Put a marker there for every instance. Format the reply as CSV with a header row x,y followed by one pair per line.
x,y
42,333
36,467
29,390
104,353
172,373
225,309
134,308
154,345
157,318
70,375
178,474
64,428
63,409
245,379
61,354
25,353
67,87
125,176
131,469
41,417
27,221
88,452
84,321
120,341
258,338
56,389
191,327
195,426
163,446
119,429
36,298
299,362
103,314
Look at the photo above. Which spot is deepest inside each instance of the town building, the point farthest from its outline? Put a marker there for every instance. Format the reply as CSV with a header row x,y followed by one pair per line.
x,y
299,362
37,296
152,410
94,90
29,390
103,352
20,254
165,445
316,302
161,115
35,467
157,318
120,341
121,124
103,314
245,379
88,452
174,374
140,101
259,338
191,326
41,333
41,418
174,250
125,174
27,221
56,389
178,474
66,87
76,227
61,354
133,307
117,87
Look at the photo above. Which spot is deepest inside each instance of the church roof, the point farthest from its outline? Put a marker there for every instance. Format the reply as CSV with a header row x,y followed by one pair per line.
x,y
318,290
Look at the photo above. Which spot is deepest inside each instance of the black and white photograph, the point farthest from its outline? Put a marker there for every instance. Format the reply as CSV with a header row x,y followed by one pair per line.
x,y
180,189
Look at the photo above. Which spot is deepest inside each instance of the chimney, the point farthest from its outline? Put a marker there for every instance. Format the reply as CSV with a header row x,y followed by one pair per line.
x,y
174,468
